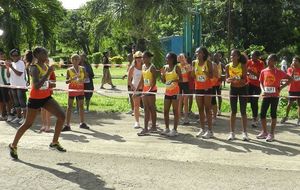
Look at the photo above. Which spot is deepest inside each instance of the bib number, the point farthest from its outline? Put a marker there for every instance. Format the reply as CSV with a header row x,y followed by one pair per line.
x,y
146,82
183,71
253,77
201,78
45,86
296,77
270,90
169,84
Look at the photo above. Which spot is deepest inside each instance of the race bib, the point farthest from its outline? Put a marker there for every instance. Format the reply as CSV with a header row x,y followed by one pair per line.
x,y
296,77
183,71
201,78
45,86
270,90
169,85
146,82
87,80
253,77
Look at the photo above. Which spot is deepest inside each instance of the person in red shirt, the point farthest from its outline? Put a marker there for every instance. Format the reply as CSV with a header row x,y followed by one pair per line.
x,y
254,68
294,88
270,81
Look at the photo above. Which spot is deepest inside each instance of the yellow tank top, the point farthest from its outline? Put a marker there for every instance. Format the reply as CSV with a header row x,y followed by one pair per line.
x,y
42,72
171,75
80,74
235,72
147,75
199,71
184,72
44,90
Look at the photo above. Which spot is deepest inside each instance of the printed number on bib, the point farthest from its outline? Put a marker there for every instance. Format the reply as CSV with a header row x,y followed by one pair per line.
x,y
146,82
270,90
169,85
201,78
45,86
253,77
296,77
183,71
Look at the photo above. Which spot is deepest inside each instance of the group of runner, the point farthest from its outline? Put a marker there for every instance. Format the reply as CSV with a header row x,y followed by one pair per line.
x,y
183,79
248,78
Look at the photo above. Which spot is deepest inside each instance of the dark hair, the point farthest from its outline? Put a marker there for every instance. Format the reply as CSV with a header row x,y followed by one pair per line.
x,y
204,50
297,58
28,56
173,57
255,53
14,51
148,54
273,57
38,50
242,57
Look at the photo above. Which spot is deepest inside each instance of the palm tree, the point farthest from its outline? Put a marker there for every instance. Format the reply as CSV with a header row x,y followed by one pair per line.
x,y
32,21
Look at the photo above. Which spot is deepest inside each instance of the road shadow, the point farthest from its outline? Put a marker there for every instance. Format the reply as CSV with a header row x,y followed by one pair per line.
x,y
101,135
85,179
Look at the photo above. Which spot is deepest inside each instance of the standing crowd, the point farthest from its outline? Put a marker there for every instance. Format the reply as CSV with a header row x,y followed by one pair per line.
x,y
184,79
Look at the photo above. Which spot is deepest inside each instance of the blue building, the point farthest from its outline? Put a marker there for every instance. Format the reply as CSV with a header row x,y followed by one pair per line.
x,y
172,44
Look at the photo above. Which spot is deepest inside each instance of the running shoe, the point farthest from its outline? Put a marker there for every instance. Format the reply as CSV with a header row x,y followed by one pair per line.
x,y
245,136
13,151
208,134
144,132
10,118
186,121
283,120
165,132
84,126
231,136
16,120
66,128
136,125
200,133
57,146
262,135
172,133
3,118
153,130
22,121
270,137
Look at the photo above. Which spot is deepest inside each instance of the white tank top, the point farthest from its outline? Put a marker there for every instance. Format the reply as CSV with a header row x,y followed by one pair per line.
x,y
137,75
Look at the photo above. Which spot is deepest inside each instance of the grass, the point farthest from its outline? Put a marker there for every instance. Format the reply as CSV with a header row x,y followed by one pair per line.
x,y
120,104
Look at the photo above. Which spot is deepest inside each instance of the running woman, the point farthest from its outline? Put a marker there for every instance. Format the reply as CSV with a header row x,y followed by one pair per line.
x,y
171,75
184,86
254,68
40,97
76,75
236,75
134,78
270,81
203,72
294,88
148,81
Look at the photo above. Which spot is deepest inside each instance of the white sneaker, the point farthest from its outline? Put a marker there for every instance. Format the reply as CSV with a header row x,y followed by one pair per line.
x,y
10,118
231,136
245,136
165,132
16,120
172,133
22,121
136,125
200,133
208,134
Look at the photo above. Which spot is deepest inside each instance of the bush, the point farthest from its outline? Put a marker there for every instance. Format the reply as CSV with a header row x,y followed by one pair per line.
x,y
97,57
117,59
56,58
90,59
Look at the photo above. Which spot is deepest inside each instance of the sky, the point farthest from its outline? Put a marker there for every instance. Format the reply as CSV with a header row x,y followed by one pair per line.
x,y
73,4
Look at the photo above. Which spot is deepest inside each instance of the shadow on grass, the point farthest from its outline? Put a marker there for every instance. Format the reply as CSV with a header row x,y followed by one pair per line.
x,y
85,179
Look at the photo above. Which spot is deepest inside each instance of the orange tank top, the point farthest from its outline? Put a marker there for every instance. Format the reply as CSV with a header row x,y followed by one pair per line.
x,y
44,91
202,82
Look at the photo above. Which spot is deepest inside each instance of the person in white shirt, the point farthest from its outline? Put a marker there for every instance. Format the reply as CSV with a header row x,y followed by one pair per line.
x,y
17,76
283,64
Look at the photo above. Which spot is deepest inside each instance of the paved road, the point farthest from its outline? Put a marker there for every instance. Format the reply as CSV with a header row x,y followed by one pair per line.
x,y
112,156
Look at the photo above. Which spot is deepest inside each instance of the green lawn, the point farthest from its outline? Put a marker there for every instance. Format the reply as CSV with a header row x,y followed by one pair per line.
x,y
120,104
